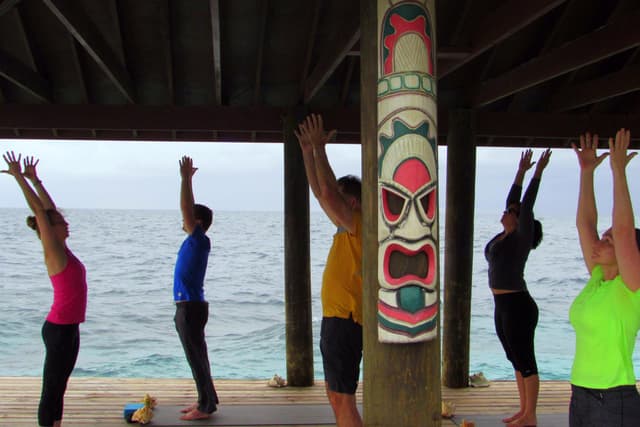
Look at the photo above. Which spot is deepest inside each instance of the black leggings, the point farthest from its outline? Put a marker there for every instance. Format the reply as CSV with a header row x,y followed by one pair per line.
x,y
516,318
62,343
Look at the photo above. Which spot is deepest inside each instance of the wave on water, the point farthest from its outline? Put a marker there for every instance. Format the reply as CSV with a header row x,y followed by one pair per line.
x,y
130,256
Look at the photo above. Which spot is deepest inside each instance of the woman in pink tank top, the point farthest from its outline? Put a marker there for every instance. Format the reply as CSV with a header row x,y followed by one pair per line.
x,y
60,332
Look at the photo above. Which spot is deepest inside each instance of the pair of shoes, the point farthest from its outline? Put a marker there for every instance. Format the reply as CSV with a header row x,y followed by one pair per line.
x,y
277,381
478,380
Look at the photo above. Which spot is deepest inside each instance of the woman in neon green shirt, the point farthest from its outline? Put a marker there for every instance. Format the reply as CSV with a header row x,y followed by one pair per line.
x,y
606,313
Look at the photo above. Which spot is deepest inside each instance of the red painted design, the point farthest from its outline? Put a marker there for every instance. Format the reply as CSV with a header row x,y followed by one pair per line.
x,y
402,27
398,282
412,174
404,316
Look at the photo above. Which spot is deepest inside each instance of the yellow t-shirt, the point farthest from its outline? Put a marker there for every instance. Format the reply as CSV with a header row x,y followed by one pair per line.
x,y
342,278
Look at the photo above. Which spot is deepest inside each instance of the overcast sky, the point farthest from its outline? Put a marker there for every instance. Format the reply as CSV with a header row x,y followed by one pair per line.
x,y
238,176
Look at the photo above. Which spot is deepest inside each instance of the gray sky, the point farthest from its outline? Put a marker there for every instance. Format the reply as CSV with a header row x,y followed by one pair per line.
x,y
238,176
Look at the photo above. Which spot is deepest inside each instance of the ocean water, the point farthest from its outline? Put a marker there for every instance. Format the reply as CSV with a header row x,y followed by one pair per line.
x,y
130,255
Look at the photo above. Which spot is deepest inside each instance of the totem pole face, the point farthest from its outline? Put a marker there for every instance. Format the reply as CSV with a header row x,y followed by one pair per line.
x,y
407,178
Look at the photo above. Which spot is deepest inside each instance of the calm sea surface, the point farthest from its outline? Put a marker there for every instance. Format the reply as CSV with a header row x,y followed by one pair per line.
x,y
130,255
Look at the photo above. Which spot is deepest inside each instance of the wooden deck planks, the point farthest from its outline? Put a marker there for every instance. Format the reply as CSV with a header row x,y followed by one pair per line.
x,y
99,401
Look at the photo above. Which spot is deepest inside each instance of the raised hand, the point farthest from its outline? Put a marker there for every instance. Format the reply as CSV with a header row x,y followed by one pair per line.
x,y
312,134
618,150
13,164
587,157
543,161
30,164
525,160
186,167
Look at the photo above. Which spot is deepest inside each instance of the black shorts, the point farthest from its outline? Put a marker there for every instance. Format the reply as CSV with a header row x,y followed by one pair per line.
x,y
341,348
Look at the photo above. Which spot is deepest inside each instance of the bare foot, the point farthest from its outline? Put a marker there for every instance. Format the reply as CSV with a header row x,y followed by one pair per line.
x,y
512,418
189,408
525,421
195,414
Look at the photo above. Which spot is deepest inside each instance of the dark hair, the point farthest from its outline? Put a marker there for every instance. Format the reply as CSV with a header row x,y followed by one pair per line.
x,y
204,215
537,233
351,185
638,237
32,222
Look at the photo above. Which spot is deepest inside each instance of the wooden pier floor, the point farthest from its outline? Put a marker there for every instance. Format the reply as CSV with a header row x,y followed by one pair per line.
x,y
99,401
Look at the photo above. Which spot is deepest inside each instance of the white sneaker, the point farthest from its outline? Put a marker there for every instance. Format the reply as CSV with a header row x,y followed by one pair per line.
x,y
478,380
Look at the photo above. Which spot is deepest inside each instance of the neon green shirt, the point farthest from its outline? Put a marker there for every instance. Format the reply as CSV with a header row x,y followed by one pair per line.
x,y
606,318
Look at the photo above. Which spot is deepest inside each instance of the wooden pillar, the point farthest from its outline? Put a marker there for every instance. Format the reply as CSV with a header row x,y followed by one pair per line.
x,y
461,177
401,379
297,269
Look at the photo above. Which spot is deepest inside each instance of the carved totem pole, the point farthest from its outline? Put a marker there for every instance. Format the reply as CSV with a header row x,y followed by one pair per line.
x,y
408,298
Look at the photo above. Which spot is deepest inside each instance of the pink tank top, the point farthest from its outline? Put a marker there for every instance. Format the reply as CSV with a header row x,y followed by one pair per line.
x,y
69,293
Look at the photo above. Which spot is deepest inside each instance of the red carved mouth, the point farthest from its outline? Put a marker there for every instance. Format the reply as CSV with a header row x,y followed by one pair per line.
x,y
403,266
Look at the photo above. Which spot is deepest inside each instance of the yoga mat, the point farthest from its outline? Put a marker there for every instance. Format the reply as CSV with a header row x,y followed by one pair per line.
x,y
544,420
243,415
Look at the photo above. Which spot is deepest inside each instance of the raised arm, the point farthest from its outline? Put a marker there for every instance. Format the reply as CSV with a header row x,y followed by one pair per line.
x,y
328,194
304,135
516,188
14,169
587,214
52,244
30,172
529,199
624,234
186,193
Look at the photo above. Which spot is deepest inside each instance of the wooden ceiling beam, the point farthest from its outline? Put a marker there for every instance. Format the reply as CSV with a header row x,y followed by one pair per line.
x,y
616,84
149,119
608,41
7,5
501,24
214,7
263,14
313,30
328,64
24,77
344,93
71,17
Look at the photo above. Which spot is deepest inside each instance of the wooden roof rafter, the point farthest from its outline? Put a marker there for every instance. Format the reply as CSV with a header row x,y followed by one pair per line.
x,y
94,44
608,41
262,30
615,84
7,5
501,24
551,36
22,71
313,30
214,7
328,64
24,77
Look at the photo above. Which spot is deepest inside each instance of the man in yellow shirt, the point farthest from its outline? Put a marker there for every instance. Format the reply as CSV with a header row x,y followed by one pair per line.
x,y
341,330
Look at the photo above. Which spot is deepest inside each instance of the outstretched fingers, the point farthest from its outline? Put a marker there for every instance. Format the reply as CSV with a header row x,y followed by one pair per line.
x,y
618,149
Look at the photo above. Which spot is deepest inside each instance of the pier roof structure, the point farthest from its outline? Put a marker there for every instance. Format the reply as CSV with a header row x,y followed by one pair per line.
x,y
535,72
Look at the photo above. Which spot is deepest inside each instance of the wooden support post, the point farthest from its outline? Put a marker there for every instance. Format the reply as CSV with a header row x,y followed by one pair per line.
x,y
461,177
401,380
297,269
